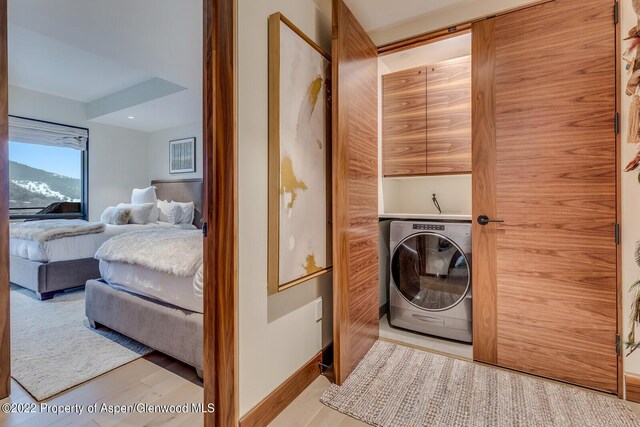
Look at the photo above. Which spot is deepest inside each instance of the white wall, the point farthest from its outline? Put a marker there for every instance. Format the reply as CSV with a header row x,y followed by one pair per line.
x,y
413,195
278,334
630,199
159,151
115,154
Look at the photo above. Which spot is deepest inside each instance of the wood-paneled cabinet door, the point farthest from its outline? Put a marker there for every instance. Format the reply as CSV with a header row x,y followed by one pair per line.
x,y
544,162
355,191
449,117
404,122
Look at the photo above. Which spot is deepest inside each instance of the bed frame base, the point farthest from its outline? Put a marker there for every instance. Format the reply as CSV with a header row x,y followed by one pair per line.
x,y
176,332
45,279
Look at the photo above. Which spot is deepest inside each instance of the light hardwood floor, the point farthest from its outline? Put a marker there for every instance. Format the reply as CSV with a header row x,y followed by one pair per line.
x,y
155,379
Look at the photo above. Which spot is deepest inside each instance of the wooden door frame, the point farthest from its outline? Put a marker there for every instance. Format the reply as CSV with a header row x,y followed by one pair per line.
x,y
220,179
5,336
466,27
221,212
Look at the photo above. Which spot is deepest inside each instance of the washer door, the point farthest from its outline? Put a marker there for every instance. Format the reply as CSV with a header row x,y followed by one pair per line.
x,y
430,271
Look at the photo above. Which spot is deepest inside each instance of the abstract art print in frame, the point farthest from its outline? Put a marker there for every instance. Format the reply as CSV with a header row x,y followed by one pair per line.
x,y
182,155
299,157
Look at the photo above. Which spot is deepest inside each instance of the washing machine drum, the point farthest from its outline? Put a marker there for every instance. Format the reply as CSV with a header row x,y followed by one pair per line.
x,y
430,271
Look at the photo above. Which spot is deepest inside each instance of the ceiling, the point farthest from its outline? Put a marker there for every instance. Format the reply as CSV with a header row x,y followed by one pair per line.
x,y
377,14
88,50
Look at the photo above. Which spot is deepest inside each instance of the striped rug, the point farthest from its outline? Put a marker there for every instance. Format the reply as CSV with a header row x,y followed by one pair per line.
x,y
400,386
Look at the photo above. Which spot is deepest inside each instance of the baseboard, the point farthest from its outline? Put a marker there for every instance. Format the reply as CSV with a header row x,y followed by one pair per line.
x,y
269,408
632,388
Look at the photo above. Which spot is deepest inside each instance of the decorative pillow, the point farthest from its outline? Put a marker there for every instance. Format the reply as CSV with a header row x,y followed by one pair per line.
x,y
140,214
116,216
188,211
146,195
169,212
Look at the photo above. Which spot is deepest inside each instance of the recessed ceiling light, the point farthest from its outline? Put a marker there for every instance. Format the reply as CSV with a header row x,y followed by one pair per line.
x,y
131,117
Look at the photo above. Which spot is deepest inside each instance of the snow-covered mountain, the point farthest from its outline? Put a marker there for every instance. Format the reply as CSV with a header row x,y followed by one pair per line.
x,y
37,188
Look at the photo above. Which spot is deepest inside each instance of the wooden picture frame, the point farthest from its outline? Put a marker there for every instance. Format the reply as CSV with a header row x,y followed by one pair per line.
x,y
282,30
182,156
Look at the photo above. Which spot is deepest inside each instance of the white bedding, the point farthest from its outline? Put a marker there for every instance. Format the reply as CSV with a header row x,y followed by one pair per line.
x,y
183,292
79,247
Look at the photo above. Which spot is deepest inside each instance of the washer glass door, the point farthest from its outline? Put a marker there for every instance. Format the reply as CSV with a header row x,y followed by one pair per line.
x,y
430,271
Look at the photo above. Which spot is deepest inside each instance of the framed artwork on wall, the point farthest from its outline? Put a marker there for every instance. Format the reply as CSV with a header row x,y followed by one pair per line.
x,y
182,155
299,157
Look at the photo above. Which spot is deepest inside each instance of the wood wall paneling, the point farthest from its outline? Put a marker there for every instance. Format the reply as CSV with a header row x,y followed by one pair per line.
x,y
632,386
484,192
404,122
448,112
5,340
220,245
355,190
269,408
555,176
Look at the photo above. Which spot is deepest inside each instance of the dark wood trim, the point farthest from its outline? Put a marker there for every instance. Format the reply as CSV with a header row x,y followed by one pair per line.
x,y
620,324
424,39
428,174
485,345
269,408
5,356
444,33
220,201
632,388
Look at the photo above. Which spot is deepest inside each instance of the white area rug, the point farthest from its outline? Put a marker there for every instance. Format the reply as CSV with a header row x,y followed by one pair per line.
x,y
400,386
53,348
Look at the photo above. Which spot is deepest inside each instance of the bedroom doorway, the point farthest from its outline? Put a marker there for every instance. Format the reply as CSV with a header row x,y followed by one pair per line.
x,y
217,187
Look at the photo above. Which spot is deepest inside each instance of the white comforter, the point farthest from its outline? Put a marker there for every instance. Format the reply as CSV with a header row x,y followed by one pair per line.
x,y
79,247
163,265
176,252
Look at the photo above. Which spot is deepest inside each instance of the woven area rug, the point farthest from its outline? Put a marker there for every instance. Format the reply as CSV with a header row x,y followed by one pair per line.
x,y
400,386
53,348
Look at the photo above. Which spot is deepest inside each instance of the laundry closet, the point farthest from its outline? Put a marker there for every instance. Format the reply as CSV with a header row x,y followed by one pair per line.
x,y
497,162
425,195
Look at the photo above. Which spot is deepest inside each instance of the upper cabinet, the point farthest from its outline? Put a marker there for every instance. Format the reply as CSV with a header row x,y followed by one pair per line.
x,y
449,117
426,120
404,122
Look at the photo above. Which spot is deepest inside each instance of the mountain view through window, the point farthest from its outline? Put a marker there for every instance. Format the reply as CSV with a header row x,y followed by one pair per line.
x,y
40,175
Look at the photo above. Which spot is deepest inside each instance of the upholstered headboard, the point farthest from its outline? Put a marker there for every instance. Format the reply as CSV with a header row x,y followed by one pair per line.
x,y
182,190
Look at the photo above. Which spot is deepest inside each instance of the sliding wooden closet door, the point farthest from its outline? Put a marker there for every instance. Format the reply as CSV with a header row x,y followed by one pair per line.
x,y
544,162
355,191
5,343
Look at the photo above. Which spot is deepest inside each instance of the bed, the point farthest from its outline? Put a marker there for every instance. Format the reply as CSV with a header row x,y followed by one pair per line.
x,y
151,291
66,263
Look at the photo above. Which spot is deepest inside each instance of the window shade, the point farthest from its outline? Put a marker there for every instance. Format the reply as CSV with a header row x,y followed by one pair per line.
x,y
36,132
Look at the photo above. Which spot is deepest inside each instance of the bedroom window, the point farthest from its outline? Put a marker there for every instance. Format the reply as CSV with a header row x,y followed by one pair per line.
x,y
48,169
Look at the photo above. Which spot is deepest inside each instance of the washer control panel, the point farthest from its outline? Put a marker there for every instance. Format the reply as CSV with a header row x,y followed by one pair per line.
x,y
430,227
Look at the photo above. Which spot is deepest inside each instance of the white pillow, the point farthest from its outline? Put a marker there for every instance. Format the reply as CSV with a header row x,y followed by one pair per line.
x,y
188,211
146,195
169,212
140,214
116,216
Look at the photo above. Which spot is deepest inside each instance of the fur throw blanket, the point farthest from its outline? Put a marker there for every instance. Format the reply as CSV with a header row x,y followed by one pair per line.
x,y
177,252
52,229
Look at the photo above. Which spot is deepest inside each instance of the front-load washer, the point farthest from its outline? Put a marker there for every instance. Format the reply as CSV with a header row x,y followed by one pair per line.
x,y
430,280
